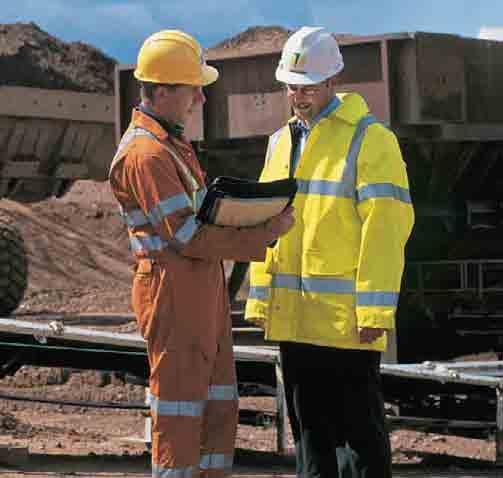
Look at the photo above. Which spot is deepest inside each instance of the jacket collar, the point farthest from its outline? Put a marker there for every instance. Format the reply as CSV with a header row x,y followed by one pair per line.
x,y
349,107
142,120
352,108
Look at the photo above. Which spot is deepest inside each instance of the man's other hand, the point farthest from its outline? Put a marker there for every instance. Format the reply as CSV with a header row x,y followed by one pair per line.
x,y
279,225
368,335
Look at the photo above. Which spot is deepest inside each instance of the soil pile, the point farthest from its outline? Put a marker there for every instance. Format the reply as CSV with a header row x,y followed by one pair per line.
x,y
31,57
253,40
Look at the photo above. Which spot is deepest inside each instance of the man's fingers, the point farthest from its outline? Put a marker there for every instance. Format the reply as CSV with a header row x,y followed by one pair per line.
x,y
368,334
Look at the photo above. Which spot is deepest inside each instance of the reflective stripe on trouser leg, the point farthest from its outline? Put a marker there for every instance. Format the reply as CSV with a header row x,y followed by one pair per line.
x,y
180,378
221,415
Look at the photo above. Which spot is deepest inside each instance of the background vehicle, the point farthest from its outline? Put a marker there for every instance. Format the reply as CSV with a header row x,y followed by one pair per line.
x,y
48,139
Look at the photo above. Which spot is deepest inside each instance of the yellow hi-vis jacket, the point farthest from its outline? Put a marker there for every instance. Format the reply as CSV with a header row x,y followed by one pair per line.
x,y
340,266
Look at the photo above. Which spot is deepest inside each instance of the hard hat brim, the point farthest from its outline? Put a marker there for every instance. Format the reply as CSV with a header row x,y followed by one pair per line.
x,y
209,75
294,78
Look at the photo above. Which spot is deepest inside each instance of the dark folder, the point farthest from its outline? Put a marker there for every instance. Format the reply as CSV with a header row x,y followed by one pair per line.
x,y
241,202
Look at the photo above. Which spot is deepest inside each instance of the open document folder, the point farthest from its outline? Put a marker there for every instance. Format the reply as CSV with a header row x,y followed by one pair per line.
x,y
241,202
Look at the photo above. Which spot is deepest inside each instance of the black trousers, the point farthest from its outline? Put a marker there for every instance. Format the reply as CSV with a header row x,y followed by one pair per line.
x,y
336,411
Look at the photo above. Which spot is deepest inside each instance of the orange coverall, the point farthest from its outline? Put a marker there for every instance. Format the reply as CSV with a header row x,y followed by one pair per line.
x,y
180,299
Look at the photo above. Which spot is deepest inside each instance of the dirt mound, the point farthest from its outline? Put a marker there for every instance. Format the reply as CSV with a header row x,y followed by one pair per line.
x,y
254,39
29,56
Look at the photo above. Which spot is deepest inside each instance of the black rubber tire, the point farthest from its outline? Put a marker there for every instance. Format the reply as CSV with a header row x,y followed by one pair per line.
x,y
13,267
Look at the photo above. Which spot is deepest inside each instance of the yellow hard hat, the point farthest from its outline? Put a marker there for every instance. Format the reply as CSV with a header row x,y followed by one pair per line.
x,y
173,57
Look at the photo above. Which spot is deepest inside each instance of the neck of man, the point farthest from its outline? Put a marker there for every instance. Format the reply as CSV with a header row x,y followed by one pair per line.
x,y
170,125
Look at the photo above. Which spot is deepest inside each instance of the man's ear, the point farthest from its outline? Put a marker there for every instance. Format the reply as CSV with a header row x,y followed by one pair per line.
x,y
332,81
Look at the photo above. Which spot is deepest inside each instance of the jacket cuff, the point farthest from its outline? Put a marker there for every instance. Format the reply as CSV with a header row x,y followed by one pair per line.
x,y
383,318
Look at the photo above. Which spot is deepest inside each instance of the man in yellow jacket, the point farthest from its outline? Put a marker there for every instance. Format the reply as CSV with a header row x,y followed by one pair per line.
x,y
328,290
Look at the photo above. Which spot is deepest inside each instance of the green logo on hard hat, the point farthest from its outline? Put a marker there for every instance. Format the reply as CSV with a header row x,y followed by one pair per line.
x,y
296,61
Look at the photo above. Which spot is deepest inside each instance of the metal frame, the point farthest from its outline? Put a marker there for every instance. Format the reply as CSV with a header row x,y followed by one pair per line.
x,y
485,374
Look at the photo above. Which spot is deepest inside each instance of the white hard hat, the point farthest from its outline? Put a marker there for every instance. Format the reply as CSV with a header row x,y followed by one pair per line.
x,y
310,55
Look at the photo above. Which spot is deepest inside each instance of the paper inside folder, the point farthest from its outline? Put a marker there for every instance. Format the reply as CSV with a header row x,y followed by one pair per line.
x,y
239,212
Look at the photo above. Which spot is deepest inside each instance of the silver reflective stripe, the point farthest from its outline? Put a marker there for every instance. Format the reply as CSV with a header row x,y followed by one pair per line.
x,y
125,140
176,408
383,190
271,144
325,188
259,293
222,392
316,285
160,472
134,218
350,169
189,228
146,243
216,461
169,206
132,133
377,299
200,195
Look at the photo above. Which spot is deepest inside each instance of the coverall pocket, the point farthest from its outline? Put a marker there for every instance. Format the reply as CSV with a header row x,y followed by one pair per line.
x,y
142,301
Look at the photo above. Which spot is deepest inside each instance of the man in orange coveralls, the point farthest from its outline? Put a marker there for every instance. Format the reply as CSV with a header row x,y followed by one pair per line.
x,y
179,293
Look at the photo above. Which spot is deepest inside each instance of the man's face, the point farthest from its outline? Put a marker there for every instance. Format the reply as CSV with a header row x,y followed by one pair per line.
x,y
178,102
309,100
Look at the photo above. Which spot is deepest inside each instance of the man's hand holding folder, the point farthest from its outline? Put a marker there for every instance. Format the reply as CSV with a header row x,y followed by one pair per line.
x,y
279,225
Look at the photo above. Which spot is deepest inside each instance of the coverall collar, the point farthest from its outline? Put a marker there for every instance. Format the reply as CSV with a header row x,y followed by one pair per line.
x,y
174,129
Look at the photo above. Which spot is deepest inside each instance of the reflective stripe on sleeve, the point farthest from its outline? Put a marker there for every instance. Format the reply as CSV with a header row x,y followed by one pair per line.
x,y
169,206
383,190
259,293
187,231
325,188
146,243
134,218
377,299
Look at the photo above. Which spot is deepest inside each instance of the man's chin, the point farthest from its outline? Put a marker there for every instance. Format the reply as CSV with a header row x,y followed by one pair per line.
x,y
303,114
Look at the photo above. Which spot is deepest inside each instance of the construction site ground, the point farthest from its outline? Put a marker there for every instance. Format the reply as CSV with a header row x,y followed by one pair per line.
x,y
79,263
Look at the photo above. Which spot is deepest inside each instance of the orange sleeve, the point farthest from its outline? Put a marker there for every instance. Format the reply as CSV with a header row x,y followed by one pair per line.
x,y
164,203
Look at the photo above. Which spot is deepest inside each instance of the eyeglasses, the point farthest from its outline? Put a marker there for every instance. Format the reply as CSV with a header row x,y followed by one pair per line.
x,y
309,90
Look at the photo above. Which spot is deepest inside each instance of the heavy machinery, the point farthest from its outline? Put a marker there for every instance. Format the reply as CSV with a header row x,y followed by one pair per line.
x,y
48,139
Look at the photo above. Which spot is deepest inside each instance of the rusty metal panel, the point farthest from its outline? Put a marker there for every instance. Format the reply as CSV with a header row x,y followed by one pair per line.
x,y
375,94
484,78
256,114
127,96
362,63
56,104
366,72
404,94
246,88
440,77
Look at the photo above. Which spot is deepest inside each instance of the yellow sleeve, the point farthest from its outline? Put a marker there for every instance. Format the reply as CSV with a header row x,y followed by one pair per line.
x,y
385,208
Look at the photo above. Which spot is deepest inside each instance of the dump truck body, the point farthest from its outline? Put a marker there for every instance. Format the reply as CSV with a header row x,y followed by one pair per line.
x,y
48,140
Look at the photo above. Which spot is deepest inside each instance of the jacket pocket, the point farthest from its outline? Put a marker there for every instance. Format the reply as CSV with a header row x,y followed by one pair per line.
x,y
329,300
331,239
